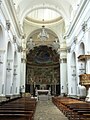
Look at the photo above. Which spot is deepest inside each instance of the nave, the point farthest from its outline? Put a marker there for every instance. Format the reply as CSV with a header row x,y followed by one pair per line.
x,y
44,50
46,110
56,108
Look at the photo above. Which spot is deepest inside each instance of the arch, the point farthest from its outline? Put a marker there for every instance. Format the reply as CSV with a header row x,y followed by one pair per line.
x,y
43,56
81,49
52,7
73,75
15,58
82,64
73,59
88,43
39,30
2,41
82,69
9,69
9,51
15,87
2,57
53,39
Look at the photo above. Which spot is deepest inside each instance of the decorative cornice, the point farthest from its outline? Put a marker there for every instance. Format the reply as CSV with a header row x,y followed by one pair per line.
x,y
63,50
84,26
63,60
23,60
42,66
14,18
75,39
68,50
77,17
0,2
8,24
45,22
19,48
14,38
2,50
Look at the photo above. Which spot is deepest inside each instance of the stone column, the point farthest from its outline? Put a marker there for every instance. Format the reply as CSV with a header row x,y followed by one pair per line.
x,y
63,71
63,75
23,74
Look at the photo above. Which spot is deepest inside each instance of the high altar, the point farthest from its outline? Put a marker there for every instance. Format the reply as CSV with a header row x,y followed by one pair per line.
x,y
43,94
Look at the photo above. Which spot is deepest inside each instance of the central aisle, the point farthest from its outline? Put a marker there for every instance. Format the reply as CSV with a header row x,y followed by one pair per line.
x,y
46,110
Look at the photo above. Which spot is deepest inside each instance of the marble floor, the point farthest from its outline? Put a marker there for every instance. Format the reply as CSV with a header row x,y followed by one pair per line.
x,y
46,110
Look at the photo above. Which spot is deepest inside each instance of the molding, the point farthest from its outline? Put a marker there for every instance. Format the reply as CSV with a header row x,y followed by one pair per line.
x,y
63,50
0,2
84,26
45,22
2,50
63,60
23,60
13,16
77,17
14,38
68,49
8,24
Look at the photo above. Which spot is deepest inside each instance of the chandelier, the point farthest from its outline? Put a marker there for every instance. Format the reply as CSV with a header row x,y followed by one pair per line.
x,y
43,35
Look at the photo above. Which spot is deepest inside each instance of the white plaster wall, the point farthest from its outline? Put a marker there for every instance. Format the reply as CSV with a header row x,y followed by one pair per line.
x,y
58,28
5,14
81,37
63,77
23,76
18,72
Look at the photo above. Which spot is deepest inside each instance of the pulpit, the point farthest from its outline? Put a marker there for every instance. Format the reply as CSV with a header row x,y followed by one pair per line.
x,y
85,78
85,81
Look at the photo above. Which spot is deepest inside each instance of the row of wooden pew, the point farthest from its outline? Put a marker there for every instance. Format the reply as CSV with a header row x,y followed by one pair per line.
x,y
73,109
19,109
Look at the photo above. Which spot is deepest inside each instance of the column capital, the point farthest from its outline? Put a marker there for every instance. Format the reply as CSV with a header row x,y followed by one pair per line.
x,y
68,50
84,26
23,60
63,60
8,24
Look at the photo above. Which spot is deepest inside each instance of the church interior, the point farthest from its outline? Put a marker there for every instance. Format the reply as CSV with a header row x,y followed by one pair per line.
x,y
44,59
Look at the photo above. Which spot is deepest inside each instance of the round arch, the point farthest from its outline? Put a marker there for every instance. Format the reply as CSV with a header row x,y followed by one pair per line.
x,y
1,58
73,74
82,70
9,69
39,30
15,87
9,51
33,40
2,46
81,49
52,7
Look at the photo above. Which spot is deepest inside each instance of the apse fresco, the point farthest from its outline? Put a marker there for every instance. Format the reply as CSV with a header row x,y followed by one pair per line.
x,y
43,66
42,55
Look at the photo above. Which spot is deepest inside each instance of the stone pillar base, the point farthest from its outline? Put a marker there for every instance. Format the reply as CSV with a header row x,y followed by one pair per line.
x,y
87,99
88,96
2,98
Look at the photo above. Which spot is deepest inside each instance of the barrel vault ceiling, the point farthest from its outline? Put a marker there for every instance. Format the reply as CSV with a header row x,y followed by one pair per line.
x,y
30,14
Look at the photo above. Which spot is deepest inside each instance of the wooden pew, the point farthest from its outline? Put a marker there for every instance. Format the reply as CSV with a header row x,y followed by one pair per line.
x,y
10,116
72,108
20,109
